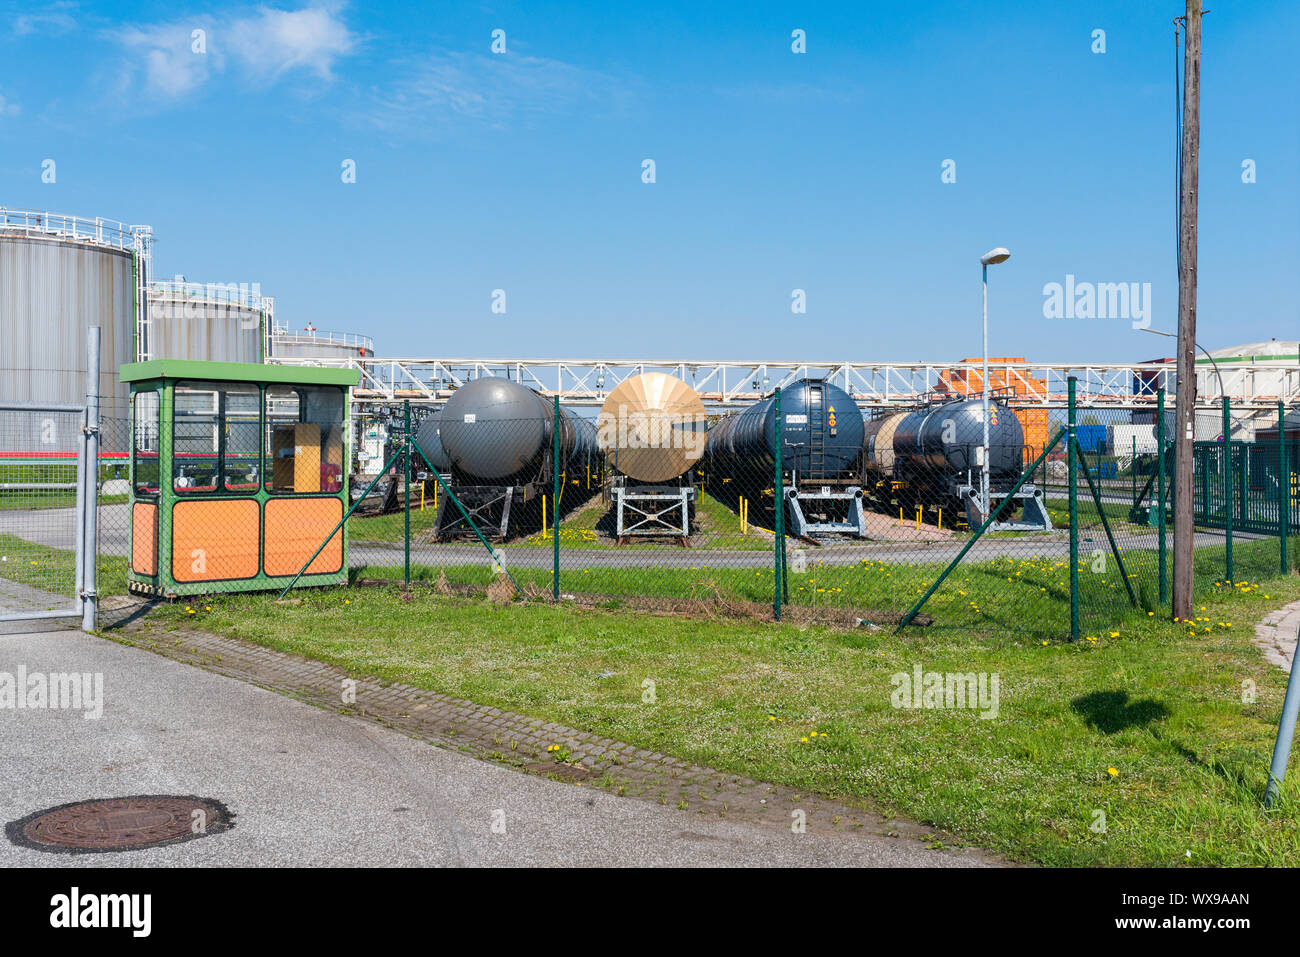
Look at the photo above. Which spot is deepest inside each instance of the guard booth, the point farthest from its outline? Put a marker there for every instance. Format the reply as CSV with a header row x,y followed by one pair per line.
x,y
238,474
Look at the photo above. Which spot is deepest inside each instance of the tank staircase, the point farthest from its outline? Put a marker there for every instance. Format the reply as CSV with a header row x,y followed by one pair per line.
x,y
823,504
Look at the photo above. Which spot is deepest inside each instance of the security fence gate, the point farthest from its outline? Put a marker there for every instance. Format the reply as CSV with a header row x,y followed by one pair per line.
x,y
48,506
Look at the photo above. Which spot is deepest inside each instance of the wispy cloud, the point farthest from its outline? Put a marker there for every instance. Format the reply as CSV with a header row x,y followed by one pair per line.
x,y
53,18
262,46
494,90
7,108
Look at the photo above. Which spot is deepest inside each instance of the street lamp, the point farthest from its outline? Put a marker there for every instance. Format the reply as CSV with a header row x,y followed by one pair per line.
x,y
990,258
1169,335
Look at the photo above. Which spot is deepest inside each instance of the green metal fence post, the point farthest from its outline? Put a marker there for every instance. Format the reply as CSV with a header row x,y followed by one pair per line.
x,y
1071,445
1229,495
778,505
1283,490
555,502
1160,501
992,517
406,466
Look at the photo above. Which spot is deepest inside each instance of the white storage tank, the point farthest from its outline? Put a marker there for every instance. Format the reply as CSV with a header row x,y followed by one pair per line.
x,y
59,275
219,322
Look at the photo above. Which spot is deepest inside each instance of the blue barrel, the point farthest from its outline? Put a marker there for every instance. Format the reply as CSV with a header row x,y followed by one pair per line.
x,y
822,431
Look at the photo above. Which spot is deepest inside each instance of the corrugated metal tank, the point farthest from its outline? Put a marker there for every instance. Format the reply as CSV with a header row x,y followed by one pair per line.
x,y
51,290
192,324
325,345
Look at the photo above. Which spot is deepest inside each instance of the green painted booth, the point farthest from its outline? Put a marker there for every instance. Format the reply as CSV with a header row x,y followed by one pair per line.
x,y
239,473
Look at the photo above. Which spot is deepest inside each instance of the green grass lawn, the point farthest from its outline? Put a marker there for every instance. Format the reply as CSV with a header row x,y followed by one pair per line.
x,y
52,569
1159,703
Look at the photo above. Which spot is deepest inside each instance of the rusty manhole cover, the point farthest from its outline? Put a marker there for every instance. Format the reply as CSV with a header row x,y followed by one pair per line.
x,y
120,824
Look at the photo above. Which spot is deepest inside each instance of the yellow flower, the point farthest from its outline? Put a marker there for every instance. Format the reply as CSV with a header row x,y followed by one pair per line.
x,y
805,740
1114,634
1112,772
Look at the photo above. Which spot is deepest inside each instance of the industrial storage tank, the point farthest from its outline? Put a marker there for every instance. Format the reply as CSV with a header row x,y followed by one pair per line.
x,y
213,321
652,427
498,432
821,439
59,275
311,343
430,442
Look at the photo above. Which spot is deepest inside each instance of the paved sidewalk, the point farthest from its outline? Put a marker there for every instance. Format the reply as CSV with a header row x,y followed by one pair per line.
x,y
313,786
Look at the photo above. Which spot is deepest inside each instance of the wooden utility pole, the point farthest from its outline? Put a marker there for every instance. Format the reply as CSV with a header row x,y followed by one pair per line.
x,y
1184,533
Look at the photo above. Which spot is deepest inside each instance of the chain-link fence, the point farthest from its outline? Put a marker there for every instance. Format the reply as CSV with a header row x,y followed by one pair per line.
x,y
876,518
39,518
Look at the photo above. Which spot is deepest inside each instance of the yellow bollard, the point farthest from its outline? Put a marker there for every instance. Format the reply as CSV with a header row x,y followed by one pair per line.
x,y
940,518
422,496
918,518
543,517
900,516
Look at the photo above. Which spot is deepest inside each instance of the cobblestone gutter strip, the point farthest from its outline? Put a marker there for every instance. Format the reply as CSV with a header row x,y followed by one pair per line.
x,y
1276,634
522,742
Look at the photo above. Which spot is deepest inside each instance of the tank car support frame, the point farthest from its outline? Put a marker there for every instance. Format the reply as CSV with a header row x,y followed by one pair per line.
x,y
855,522
653,510
479,504
1027,500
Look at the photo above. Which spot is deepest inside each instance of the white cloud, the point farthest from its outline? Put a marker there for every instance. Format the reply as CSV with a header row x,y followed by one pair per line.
x,y
7,108
263,45
171,66
275,41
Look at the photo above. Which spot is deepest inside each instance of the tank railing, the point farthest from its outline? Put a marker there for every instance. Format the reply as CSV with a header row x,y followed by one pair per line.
x,y
108,232
235,294
281,333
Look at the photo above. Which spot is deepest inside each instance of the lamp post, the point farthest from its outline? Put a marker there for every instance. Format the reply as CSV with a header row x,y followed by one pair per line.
x,y
990,258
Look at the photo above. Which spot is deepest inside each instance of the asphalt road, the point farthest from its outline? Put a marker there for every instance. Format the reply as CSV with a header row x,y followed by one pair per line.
x,y
312,787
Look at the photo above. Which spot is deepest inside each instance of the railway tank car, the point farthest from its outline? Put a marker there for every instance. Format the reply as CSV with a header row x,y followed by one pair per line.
x,y
821,445
932,456
498,438
821,434
652,429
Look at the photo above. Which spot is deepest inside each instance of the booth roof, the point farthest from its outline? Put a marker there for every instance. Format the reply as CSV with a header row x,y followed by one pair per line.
x,y
236,372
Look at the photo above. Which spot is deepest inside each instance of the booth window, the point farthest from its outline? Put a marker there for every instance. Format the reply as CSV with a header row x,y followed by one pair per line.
x,y
144,445
215,429
304,440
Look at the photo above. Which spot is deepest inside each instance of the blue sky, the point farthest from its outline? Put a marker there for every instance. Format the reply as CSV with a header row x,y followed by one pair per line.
x,y
775,171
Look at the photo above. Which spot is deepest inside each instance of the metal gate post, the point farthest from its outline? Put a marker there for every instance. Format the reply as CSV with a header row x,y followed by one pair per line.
x,y
406,502
1283,490
1072,463
1160,501
1229,494
778,506
88,586
555,502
